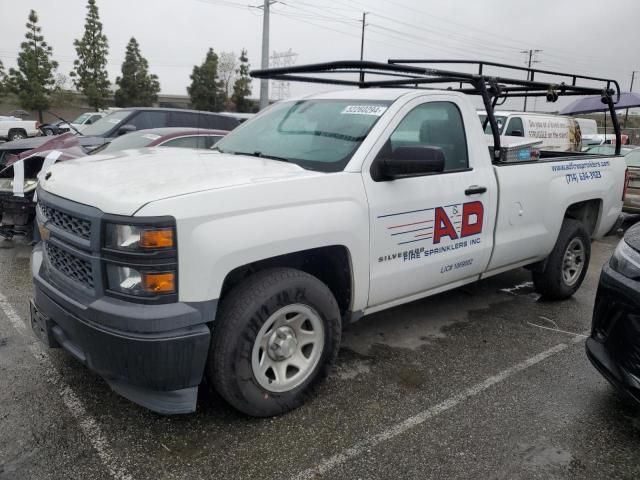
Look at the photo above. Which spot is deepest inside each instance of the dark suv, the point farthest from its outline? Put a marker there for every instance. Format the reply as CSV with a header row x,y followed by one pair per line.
x,y
128,120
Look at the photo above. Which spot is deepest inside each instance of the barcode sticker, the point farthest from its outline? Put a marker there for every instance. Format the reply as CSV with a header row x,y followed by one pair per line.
x,y
375,110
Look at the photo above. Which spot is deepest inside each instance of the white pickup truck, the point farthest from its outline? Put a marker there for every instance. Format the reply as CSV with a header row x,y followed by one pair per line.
x,y
13,128
242,264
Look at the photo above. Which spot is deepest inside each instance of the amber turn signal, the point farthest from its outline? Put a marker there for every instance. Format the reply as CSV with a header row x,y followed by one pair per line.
x,y
159,282
157,238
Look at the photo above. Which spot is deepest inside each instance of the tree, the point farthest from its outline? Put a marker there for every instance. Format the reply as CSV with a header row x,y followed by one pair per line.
x,y
242,85
206,89
33,80
3,81
227,64
90,68
61,96
137,87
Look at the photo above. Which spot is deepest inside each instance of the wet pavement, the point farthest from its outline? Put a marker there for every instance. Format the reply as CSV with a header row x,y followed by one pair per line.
x,y
485,381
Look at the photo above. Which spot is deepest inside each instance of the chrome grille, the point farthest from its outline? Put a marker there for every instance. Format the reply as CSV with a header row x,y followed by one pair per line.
x,y
69,223
68,264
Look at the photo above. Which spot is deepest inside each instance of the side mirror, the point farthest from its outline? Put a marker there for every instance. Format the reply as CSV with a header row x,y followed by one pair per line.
x,y
128,128
409,162
517,133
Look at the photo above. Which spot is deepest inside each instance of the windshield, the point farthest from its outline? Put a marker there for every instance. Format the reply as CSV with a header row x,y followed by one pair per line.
x,y
105,124
82,118
315,134
130,140
500,120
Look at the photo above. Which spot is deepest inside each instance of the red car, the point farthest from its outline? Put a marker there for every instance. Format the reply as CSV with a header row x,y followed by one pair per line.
x,y
163,137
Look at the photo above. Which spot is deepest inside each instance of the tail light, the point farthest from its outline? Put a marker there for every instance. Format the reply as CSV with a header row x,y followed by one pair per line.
x,y
626,183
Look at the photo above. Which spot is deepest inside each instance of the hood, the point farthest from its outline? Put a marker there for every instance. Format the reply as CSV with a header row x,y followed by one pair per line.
x,y
632,237
122,182
25,143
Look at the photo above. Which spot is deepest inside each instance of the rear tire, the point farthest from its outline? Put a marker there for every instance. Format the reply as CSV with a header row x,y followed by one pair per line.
x,y
17,134
275,338
567,264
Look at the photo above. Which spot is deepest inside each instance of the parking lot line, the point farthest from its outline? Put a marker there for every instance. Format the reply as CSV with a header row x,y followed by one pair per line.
x,y
415,420
74,404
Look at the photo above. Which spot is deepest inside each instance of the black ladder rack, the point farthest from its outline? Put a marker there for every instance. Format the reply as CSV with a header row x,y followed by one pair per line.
x,y
404,73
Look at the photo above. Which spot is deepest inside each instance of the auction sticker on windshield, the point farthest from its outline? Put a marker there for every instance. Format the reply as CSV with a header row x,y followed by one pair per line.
x,y
375,110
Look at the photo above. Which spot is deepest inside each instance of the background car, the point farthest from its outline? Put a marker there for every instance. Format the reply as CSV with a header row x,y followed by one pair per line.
x,y
16,212
632,198
14,128
127,120
164,137
78,124
609,149
614,344
632,158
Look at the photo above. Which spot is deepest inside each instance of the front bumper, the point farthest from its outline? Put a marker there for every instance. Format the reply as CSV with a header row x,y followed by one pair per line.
x,y
614,345
154,355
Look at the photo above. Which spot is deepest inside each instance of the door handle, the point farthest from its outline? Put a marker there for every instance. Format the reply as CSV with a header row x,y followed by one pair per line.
x,y
475,189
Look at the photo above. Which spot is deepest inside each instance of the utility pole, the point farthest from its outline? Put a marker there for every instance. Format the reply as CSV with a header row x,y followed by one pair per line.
x,y
531,53
364,18
264,83
626,114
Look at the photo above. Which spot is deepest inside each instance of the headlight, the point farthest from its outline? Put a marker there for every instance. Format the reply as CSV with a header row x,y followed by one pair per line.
x,y
141,238
626,261
131,281
30,185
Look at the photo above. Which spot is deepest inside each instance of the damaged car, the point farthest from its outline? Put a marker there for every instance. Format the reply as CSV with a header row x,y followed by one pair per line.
x,y
19,169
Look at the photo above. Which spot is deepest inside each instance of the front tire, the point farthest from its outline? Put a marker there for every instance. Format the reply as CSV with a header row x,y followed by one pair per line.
x,y
274,340
567,264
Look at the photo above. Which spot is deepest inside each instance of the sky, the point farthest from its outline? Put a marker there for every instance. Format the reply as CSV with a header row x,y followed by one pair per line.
x,y
580,36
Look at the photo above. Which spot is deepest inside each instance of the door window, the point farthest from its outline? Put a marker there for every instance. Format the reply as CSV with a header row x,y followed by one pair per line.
x,y
433,124
149,119
515,125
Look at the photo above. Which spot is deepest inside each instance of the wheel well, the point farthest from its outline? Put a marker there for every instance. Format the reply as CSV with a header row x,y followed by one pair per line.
x,y
330,265
586,212
17,130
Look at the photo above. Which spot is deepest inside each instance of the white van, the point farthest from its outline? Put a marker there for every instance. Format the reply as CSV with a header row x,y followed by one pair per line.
x,y
556,132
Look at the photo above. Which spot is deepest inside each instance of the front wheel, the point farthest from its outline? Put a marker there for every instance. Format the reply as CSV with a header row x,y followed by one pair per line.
x,y
567,263
274,340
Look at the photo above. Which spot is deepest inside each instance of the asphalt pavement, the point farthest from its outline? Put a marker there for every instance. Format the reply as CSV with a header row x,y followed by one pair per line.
x,y
486,381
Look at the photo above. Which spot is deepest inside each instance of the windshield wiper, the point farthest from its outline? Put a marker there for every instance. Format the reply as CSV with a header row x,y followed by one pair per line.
x,y
254,154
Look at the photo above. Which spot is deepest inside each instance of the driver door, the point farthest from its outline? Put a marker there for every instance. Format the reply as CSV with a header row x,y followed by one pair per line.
x,y
433,230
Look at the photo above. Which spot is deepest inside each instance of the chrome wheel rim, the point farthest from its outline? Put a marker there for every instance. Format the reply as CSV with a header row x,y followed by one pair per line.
x,y
287,348
573,262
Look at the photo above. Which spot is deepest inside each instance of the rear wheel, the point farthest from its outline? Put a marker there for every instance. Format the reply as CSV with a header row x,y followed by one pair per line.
x,y
48,132
17,134
567,264
274,340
